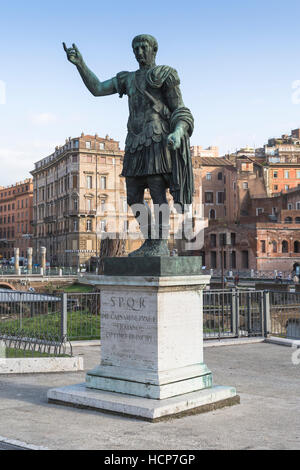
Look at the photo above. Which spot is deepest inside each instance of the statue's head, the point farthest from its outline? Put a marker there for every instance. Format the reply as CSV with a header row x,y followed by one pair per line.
x,y
145,48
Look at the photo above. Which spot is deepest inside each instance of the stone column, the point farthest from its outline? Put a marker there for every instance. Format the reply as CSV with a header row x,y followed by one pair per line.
x,y
43,259
29,260
17,256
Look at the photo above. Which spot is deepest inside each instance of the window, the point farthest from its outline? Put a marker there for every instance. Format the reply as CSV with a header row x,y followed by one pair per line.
x,y
88,145
290,207
275,187
220,176
263,246
298,206
208,176
245,259
245,185
284,246
89,182
288,220
212,214
296,247
213,259
298,174
259,210
75,225
286,174
101,146
103,182
75,204
75,181
103,225
222,239
213,240
220,197
274,245
233,260
275,174
74,158
286,187
209,197
88,225
102,206
89,204
233,239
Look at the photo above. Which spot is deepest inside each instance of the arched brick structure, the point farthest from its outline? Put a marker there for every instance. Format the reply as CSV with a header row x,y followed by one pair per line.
x,y
5,285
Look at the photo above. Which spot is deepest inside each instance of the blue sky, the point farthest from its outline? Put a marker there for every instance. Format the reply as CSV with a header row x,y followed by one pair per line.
x,y
237,62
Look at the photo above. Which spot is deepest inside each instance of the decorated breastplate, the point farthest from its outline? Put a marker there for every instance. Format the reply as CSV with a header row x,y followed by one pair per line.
x,y
148,116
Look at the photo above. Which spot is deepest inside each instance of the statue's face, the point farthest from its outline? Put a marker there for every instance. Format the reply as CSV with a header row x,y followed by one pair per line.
x,y
144,53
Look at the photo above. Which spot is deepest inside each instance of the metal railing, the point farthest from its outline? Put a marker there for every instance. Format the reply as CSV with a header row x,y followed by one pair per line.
x,y
234,313
285,314
18,344
41,316
36,270
76,316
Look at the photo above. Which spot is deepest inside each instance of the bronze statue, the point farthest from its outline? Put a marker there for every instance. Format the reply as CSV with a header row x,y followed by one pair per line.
x,y
157,150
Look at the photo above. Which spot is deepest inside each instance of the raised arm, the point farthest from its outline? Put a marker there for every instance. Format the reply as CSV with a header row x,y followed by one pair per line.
x,y
90,80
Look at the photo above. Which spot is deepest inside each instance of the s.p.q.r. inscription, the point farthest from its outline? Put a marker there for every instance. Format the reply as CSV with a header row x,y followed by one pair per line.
x,y
130,303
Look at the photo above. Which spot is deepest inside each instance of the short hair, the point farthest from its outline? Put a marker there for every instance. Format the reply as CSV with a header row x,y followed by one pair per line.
x,y
146,37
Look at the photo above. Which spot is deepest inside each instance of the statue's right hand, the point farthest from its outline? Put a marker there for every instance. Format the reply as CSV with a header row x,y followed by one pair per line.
x,y
73,54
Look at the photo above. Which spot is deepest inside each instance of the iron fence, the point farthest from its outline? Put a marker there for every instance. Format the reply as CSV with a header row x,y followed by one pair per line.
x,y
76,316
285,314
33,315
234,313
18,344
36,270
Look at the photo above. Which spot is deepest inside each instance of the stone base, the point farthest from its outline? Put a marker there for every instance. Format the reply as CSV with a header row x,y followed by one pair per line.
x,y
144,408
153,266
150,384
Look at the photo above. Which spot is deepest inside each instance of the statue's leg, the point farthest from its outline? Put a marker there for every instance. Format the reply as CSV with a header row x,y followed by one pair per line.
x,y
158,187
135,198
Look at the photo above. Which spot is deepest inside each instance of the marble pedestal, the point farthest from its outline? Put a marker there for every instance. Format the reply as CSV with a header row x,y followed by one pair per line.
x,y
151,347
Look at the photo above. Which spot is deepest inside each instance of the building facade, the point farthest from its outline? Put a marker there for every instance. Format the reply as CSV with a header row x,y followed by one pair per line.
x,y
218,188
16,216
79,198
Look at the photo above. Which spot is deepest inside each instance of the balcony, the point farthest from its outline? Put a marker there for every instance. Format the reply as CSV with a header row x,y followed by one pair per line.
x,y
87,213
49,219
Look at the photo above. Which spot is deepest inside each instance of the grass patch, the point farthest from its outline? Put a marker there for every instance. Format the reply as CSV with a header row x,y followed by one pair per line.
x,y
77,288
11,353
81,325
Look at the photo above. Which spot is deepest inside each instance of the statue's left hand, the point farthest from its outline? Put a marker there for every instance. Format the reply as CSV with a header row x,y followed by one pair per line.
x,y
174,140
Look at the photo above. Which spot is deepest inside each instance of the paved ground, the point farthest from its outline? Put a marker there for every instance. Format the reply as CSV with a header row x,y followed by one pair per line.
x,y
267,418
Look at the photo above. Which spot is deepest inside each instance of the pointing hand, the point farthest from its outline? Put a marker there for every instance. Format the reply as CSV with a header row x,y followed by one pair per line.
x,y
73,54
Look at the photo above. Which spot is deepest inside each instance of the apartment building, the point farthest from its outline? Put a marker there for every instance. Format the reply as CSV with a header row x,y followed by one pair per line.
x,y
16,215
79,198
218,187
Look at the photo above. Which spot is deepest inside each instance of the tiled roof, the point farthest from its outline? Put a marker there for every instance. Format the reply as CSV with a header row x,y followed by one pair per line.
x,y
214,161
